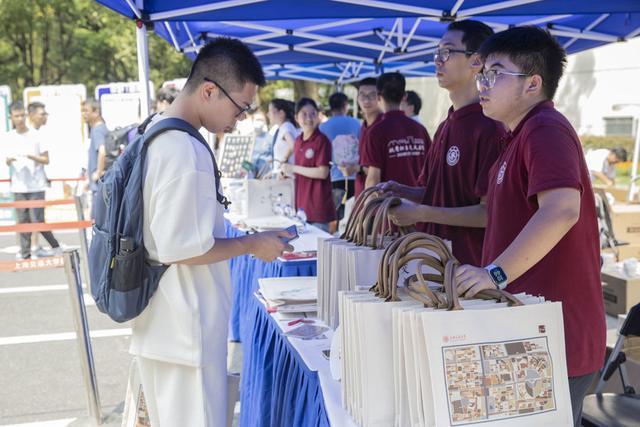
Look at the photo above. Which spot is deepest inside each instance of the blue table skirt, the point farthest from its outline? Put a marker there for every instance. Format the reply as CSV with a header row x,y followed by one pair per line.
x,y
277,388
245,272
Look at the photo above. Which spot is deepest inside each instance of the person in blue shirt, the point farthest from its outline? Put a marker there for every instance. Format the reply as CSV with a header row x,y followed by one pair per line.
x,y
340,127
97,132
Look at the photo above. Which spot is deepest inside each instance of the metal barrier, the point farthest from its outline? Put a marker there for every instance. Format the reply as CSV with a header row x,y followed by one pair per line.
x,y
81,225
72,269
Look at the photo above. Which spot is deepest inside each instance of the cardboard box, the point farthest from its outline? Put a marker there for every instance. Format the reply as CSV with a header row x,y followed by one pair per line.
x,y
620,293
620,194
626,251
626,222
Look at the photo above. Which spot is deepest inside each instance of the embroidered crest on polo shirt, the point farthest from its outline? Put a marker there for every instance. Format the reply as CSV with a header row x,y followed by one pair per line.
x,y
501,172
453,156
308,154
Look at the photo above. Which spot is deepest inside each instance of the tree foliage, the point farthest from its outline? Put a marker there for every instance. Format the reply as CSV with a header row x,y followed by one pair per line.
x,y
52,42
75,41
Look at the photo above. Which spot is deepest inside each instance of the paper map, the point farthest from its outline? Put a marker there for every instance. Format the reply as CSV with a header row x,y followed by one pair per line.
x,y
498,380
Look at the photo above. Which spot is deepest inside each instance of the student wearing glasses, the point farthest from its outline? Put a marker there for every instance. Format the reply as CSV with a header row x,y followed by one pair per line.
x,y
449,200
542,232
180,340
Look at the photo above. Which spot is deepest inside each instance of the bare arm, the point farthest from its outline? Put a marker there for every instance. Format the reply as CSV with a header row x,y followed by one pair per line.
x,y
409,213
43,158
602,177
415,194
373,176
102,158
559,210
267,246
318,172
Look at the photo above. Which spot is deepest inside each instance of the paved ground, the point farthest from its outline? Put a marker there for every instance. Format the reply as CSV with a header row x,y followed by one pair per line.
x,y
40,375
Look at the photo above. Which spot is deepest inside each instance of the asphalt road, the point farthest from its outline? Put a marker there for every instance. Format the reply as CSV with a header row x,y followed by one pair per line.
x,y
40,371
40,367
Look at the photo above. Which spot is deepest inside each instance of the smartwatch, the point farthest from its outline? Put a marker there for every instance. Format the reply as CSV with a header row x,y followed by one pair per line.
x,y
498,276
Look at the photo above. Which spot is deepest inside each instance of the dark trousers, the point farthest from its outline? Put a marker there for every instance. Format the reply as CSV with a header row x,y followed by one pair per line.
x,y
338,192
578,387
32,215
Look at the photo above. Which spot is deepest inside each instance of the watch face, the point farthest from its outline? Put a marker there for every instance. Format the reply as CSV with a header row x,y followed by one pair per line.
x,y
498,275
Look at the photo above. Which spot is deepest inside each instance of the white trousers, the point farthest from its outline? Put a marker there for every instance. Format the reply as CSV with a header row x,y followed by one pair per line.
x,y
164,394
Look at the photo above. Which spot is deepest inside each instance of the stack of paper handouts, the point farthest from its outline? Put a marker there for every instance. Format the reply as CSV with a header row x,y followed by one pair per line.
x,y
290,294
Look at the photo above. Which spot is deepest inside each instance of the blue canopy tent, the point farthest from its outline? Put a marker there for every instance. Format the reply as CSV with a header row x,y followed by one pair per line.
x,y
341,41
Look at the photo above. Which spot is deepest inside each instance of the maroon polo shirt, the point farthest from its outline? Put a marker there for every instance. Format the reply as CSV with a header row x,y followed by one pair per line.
x,y
544,153
396,145
456,173
361,178
314,195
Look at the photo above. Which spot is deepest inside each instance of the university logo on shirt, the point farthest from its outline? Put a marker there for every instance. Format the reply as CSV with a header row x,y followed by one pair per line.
x,y
405,147
501,172
453,156
309,153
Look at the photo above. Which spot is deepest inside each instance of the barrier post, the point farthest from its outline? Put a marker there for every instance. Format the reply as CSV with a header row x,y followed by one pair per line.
x,y
72,269
84,245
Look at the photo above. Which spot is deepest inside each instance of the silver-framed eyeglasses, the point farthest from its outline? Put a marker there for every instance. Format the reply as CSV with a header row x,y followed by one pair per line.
x,y
443,54
487,78
241,110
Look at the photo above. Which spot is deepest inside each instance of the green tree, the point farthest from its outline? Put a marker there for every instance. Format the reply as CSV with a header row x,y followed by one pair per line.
x,y
75,41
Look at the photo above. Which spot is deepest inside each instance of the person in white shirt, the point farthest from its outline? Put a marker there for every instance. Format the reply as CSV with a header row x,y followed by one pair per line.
x,y
28,181
601,163
180,340
411,105
281,114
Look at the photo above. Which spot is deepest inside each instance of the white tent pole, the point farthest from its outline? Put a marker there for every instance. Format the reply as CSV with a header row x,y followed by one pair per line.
x,y
633,188
143,68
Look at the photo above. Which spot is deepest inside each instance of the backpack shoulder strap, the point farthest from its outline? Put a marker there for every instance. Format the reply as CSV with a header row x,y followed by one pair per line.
x,y
173,123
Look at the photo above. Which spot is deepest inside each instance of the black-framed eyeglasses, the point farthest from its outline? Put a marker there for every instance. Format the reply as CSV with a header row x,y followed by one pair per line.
x,y
241,110
487,78
443,54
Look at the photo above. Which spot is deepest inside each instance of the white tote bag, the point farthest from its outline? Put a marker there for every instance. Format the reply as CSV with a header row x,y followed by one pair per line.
x,y
506,366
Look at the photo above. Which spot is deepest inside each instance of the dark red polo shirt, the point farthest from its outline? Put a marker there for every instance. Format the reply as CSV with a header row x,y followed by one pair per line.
x,y
544,153
361,178
396,145
456,173
314,195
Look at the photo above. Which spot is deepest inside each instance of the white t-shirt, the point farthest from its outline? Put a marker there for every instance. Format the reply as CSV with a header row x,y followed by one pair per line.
x,y
597,160
27,176
186,319
281,147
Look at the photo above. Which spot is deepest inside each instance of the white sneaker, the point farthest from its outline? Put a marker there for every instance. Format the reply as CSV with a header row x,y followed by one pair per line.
x,y
43,253
57,251
19,257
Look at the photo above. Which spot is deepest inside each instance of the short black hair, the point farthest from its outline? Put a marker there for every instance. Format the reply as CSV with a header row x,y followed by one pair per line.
x,y
92,103
35,106
367,81
337,101
533,50
168,94
474,33
303,102
287,106
414,99
227,61
391,87
16,106
621,153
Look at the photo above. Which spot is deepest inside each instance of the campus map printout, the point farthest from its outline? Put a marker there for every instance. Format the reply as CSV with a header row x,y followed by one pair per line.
x,y
500,380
